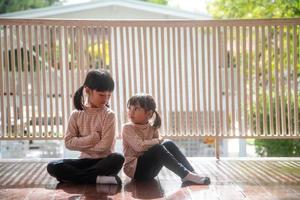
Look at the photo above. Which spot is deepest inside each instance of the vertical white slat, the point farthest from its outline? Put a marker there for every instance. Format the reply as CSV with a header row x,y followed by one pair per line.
x,y
119,120
124,91
140,58
129,53
86,61
226,66
25,56
288,53
238,74
245,105
181,114
13,87
203,49
146,66
38,80
7,83
98,35
44,80
103,46
213,83
163,81
152,60
282,82
199,128
82,48
221,65
278,125
77,56
271,131
67,72
295,63
109,47
158,84
134,65
62,83
208,55
185,83
92,34
250,81
72,45
2,75
113,73
32,134
50,65
193,83
110,55
170,95
175,121
56,81
257,80
263,41
232,79
214,66
20,78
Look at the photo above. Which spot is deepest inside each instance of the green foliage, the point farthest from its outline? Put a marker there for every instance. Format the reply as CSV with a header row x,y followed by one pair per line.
x,y
281,147
251,9
18,5
277,148
163,2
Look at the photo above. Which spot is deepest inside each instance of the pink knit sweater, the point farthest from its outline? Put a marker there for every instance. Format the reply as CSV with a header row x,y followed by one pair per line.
x,y
136,140
91,131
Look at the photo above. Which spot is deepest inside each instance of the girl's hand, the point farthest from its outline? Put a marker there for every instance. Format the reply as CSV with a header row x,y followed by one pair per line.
x,y
97,135
160,139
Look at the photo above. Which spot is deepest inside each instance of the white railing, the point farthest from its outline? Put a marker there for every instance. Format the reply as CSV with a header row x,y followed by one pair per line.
x,y
209,77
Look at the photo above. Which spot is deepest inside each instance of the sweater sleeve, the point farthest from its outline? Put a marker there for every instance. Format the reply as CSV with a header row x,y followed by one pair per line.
x,y
156,134
136,142
74,141
107,134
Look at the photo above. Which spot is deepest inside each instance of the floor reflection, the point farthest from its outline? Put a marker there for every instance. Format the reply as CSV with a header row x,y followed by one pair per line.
x,y
144,189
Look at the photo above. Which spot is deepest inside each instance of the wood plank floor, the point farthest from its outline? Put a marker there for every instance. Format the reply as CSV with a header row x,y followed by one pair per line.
x,y
255,179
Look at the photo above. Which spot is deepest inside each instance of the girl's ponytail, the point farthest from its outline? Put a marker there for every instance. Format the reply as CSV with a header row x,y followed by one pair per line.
x,y
157,121
78,99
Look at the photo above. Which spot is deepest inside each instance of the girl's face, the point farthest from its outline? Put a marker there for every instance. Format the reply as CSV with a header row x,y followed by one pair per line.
x,y
139,115
98,99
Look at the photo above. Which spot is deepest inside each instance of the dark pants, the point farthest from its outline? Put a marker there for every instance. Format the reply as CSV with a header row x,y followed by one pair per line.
x,y
85,170
166,154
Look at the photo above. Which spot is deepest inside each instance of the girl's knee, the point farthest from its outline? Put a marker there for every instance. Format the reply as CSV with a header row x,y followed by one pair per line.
x,y
52,168
117,158
157,148
169,143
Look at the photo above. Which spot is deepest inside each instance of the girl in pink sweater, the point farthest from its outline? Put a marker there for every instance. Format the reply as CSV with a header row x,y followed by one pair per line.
x,y
91,130
145,151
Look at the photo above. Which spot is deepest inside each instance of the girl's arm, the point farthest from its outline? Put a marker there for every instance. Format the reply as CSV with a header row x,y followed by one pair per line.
x,y
158,136
74,141
108,134
137,143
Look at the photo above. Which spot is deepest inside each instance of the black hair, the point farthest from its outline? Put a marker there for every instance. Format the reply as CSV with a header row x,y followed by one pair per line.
x,y
146,102
99,80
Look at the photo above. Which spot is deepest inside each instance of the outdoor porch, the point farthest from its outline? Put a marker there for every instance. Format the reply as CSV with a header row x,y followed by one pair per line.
x,y
252,179
212,79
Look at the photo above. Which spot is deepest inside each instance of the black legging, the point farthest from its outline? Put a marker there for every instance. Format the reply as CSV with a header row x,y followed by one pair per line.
x,y
85,170
166,154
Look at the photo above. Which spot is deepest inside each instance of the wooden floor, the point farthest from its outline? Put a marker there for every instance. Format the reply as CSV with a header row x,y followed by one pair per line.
x,y
257,179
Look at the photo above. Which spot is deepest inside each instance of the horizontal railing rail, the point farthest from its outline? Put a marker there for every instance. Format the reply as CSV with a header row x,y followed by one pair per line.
x,y
211,78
